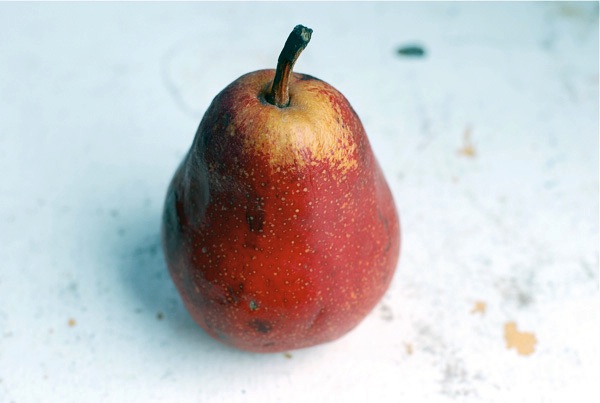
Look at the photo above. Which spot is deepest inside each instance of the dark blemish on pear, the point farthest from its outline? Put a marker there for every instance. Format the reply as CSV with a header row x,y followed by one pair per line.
x,y
385,223
232,295
255,216
255,222
250,221
222,300
250,244
261,326
225,119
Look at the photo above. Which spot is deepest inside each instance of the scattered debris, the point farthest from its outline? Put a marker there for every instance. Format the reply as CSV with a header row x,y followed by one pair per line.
x,y
479,307
523,342
411,50
386,313
467,149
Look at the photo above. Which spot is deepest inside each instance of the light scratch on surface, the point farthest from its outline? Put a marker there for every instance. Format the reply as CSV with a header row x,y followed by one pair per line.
x,y
171,87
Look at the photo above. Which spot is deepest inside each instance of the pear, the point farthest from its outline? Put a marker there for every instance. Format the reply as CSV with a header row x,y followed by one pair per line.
x,y
279,229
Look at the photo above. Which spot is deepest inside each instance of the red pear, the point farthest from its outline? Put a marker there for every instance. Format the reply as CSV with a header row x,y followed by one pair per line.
x,y
279,229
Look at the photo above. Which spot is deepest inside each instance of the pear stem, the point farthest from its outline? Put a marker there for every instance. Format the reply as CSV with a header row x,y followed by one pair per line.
x,y
295,44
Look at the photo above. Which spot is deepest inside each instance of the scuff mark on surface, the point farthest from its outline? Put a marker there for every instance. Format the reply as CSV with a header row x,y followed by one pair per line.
x,y
386,313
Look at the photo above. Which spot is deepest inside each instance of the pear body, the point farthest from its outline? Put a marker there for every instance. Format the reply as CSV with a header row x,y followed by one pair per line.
x,y
279,229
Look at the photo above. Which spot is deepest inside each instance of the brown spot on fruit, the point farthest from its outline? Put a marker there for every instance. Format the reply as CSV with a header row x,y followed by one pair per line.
x,y
261,326
318,317
232,295
255,217
254,224
385,223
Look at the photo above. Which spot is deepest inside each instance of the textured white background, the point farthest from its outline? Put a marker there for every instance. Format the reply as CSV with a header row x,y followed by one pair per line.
x,y
99,103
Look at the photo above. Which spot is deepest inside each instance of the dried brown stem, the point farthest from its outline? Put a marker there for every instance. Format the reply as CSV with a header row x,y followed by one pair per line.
x,y
295,44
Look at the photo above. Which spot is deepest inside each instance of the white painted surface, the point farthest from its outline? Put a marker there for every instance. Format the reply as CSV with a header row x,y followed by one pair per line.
x,y
99,102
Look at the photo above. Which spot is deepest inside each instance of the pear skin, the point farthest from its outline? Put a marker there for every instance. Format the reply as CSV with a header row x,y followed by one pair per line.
x,y
279,229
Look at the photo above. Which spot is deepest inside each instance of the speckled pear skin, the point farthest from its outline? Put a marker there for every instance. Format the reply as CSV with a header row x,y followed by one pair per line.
x,y
279,229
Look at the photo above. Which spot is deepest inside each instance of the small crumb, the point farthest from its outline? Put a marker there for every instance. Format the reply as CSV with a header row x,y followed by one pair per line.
x,y
386,313
411,51
408,348
479,308
160,315
71,322
467,149
287,355
523,342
